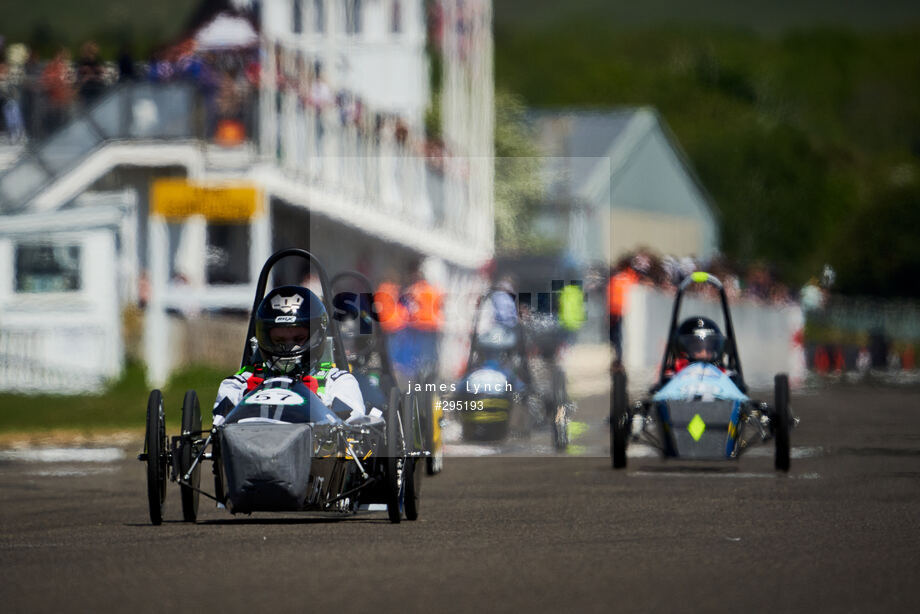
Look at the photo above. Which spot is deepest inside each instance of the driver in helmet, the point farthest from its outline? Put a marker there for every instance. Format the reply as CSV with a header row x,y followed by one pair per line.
x,y
699,340
291,328
356,325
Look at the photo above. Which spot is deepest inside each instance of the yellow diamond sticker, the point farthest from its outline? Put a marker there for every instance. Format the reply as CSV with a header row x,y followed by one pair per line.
x,y
696,427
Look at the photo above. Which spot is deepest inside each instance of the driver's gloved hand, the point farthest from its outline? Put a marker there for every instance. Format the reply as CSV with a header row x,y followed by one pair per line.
x,y
220,412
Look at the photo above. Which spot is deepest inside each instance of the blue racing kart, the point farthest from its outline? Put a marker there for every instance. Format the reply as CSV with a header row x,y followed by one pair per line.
x,y
701,411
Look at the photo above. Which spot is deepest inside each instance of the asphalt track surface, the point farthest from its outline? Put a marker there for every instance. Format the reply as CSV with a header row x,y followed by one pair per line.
x,y
544,533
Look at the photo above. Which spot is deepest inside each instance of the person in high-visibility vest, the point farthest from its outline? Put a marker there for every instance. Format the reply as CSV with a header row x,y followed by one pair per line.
x,y
572,307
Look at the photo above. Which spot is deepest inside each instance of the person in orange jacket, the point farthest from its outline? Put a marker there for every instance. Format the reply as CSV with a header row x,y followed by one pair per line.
x,y
391,312
621,280
416,327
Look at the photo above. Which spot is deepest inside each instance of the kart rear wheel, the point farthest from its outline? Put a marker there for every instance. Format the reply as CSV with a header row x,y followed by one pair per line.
x,y
394,460
619,420
415,441
191,430
434,463
155,449
781,421
412,478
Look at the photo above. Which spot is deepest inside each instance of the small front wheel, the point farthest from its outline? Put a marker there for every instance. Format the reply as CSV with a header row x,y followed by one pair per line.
x,y
191,430
155,451
781,421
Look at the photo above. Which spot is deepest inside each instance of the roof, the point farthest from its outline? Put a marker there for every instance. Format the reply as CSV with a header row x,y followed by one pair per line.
x,y
584,133
592,133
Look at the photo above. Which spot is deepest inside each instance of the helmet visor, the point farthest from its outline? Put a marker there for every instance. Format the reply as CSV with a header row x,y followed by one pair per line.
x,y
286,341
702,345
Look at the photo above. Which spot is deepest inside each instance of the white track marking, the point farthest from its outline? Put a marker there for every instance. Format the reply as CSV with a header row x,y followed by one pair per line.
x,y
71,473
730,475
63,455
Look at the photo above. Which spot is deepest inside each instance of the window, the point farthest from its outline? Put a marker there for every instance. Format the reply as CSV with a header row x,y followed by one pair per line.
x,y
353,16
227,259
297,17
319,16
47,268
396,18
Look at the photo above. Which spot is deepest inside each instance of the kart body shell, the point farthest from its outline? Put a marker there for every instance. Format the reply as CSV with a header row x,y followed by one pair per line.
x,y
484,402
282,449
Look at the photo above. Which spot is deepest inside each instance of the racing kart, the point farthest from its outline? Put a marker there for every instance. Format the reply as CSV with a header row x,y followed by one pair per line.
x,y
701,411
373,368
281,449
487,395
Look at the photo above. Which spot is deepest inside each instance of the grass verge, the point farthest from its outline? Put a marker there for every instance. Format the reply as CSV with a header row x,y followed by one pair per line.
x,y
119,411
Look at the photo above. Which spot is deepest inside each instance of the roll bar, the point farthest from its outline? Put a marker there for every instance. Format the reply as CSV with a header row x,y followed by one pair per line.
x,y
379,336
338,349
734,362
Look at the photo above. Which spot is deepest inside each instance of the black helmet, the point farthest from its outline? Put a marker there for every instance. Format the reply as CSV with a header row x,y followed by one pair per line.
x,y
700,340
356,324
291,323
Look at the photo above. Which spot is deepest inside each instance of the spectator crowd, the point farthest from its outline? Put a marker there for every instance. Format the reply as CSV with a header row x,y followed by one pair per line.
x,y
39,95
758,282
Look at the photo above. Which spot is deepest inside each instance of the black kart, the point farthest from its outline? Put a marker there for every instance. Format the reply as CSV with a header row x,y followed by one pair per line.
x,y
281,449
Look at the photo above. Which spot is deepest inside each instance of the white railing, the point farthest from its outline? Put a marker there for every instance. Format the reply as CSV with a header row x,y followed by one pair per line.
x,y
55,361
374,167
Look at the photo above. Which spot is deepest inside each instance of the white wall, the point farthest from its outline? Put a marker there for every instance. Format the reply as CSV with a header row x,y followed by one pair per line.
x,y
766,335
388,70
62,341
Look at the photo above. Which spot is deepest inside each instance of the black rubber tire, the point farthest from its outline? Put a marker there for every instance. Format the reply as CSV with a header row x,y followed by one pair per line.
x,y
412,481
781,421
155,449
619,420
560,423
191,425
414,433
393,481
434,464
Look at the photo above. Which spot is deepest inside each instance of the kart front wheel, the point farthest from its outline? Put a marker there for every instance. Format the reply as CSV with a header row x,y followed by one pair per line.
x,y
781,421
155,451
191,430
619,420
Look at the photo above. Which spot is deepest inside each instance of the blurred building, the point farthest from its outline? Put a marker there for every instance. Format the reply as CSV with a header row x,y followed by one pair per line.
x,y
271,124
619,180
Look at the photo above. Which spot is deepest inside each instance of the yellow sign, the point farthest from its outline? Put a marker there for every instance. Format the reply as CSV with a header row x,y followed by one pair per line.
x,y
180,198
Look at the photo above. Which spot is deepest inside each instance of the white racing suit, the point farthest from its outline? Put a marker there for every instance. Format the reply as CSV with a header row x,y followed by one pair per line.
x,y
340,386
